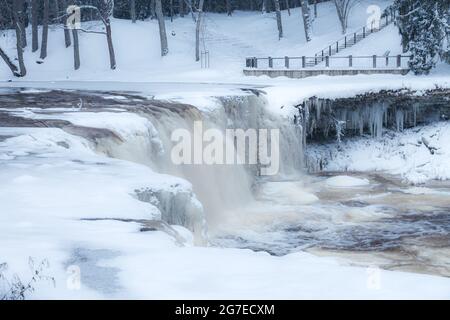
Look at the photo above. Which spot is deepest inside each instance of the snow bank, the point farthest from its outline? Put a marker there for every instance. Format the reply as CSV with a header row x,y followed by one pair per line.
x,y
403,154
346,182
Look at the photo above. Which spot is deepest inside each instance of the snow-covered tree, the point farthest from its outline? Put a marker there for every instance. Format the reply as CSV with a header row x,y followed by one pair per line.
x,y
424,27
306,19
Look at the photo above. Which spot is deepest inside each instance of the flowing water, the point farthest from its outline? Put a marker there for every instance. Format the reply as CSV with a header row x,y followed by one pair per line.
x,y
379,223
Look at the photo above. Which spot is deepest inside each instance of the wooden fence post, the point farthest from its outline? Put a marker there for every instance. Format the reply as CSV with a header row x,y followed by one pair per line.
x,y
399,61
270,62
374,61
355,39
345,42
337,46
286,62
350,61
364,32
327,61
303,62
329,49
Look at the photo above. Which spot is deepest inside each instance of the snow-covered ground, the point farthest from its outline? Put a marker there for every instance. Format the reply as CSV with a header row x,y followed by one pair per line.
x,y
418,155
53,181
228,39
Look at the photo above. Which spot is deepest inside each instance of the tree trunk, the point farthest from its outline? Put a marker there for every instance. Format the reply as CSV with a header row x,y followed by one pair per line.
x,y
279,23
76,49
342,15
152,9
23,19
197,30
34,26
266,6
56,7
45,30
288,7
133,10
162,28
315,8
171,10
181,8
10,64
17,12
229,8
112,56
66,29
306,20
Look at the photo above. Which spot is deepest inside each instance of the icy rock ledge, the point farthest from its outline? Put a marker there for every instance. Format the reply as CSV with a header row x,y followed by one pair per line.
x,y
177,207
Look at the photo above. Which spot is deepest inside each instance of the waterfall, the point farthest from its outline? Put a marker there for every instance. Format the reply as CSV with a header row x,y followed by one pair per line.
x,y
221,188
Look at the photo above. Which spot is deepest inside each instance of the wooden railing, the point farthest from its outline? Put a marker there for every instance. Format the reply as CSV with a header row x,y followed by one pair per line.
x,y
338,62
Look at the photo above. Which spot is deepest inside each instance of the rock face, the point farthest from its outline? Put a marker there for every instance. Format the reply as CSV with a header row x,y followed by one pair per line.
x,y
177,208
371,113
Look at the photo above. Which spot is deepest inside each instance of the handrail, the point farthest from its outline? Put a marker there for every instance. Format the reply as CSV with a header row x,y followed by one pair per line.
x,y
311,62
327,51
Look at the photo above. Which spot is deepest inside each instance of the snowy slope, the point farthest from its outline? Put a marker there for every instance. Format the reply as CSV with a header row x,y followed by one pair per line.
x,y
228,39
404,154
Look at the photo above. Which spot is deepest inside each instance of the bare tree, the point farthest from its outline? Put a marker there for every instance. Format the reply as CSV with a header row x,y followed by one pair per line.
x,y
306,19
343,8
229,7
45,30
279,23
23,19
18,6
152,9
71,25
288,7
162,28
105,10
66,29
133,10
9,63
34,26
266,6
181,7
76,49
197,29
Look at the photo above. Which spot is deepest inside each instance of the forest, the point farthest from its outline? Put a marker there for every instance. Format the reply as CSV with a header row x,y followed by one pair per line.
x,y
424,25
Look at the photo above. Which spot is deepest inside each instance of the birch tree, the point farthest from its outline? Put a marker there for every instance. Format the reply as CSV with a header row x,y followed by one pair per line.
x,y
197,29
306,19
162,28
